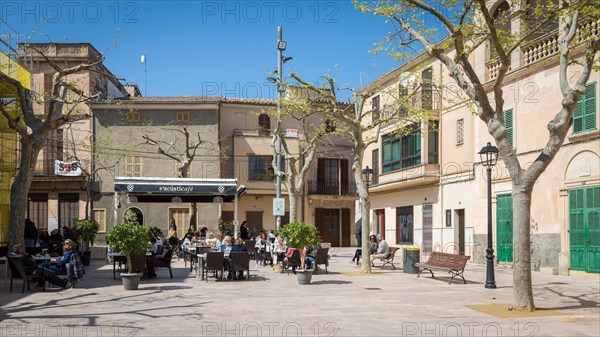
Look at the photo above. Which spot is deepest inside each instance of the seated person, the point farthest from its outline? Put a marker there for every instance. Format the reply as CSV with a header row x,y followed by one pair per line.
x,y
383,250
288,255
238,246
226,248
211,241
278,250
56,265
220,238
372,250
159,253
261,246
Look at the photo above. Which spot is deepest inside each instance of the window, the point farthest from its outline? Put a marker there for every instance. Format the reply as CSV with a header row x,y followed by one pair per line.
x,y
403,100
508,125
68,209
432,142
133,116
37,209
264,124
460,131
47,92
133,166
332,176
181,117
427,89
501,19
584,116
403,152
375,108
100,217
53,150
259,168
182,219
404,224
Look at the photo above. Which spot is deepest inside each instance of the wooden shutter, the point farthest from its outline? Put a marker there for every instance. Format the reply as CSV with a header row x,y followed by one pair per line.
x,y
504,228
576,229
375,108
47,92
589,110
375,166
508,125
344,176
319,215
321,172
346,231
592,226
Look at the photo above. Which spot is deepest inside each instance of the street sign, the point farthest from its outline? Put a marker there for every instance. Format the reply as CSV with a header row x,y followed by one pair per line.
x,y
292,133
278,206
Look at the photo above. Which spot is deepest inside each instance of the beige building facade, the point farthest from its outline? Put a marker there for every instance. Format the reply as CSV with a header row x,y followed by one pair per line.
x,y
442,205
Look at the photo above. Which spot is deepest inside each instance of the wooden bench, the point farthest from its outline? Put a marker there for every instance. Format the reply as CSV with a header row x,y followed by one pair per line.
x,y
453,264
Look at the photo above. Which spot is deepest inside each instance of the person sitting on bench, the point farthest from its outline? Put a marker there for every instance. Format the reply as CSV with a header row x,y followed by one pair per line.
x,y
383,250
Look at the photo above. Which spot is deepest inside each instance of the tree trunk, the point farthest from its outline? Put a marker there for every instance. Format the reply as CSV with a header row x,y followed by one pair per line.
x,y
523,293
365,206
293,197
19,189
193,214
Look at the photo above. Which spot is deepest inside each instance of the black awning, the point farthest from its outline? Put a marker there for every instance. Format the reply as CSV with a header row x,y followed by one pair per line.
x,y
164,190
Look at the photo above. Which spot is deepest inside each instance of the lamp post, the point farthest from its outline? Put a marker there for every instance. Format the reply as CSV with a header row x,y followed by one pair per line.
x,y
489,157
367,173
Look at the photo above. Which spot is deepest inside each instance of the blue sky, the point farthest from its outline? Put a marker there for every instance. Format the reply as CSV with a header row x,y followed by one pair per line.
x,y
212,47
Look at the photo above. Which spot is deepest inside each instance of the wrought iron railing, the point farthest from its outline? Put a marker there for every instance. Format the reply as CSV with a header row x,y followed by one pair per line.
x,y
331,187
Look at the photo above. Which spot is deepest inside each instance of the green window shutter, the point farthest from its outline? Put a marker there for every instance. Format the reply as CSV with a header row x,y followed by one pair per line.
x,y
508,125
589,107
584,116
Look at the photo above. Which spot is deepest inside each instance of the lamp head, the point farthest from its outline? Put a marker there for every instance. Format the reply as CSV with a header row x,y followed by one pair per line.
x,y
367,173
489,155
286,59
281,45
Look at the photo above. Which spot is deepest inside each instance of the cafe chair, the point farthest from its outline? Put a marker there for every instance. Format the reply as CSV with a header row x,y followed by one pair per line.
x,y
17,271
322,258
294,261
240,261
214,262
164,261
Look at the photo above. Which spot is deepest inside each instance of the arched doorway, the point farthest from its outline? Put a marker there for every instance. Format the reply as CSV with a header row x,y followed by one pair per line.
x,y
138,213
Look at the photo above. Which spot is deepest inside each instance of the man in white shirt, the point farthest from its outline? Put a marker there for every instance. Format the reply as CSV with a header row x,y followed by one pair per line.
x,y
383,250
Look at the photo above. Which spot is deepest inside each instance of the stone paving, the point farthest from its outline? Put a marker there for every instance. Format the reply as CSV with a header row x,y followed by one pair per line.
x,y
341,303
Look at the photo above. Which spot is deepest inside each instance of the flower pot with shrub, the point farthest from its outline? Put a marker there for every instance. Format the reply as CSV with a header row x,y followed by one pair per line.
x,y
301,236
86,230
129,238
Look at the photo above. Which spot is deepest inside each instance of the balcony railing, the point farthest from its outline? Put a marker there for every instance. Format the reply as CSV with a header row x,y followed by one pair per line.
x,y
547,46
331,187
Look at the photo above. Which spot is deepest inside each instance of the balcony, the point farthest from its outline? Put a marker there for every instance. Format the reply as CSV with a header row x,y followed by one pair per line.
x,y
331,187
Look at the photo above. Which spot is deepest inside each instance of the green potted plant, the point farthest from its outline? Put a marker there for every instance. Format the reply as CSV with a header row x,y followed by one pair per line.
x,y
86,230
129,238
225,226
301,235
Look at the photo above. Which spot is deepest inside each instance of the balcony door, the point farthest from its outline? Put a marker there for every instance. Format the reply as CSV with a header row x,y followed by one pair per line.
x,y
332,176
68,209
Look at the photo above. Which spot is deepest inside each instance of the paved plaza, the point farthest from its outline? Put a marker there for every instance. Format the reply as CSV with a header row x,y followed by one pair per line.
x,y
341,303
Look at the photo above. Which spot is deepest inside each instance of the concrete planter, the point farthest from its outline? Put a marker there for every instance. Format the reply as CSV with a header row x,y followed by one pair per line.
x,y
304,276
131,281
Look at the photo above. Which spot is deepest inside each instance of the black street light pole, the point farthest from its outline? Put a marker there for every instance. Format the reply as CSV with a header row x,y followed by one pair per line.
x,y
489,156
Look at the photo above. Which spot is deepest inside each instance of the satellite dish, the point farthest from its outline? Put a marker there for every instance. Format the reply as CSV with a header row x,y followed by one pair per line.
x,y
131,199
218,200
176,200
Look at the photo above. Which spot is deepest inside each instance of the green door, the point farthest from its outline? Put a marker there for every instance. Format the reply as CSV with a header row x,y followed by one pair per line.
x,y
504,228
584,229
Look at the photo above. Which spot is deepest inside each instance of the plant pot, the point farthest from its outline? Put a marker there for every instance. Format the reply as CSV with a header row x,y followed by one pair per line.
x,y
85,258
304,276
130,281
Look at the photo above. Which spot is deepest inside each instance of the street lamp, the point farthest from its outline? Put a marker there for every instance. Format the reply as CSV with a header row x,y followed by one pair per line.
x,y
367,173
489,157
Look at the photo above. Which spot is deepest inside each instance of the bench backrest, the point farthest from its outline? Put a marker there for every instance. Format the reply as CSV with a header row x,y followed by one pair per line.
x,y
392,253
452,261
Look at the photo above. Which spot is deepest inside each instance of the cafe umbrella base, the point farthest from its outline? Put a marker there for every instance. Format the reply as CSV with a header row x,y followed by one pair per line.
x,y
131,281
